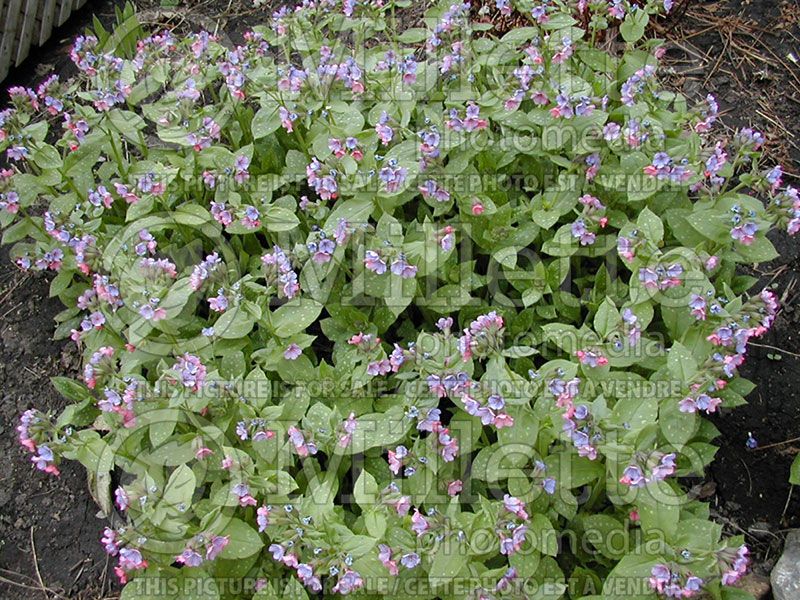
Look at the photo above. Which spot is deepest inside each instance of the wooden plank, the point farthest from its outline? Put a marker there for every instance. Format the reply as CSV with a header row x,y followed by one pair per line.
x,y
26,30
65,10
9,36
28,23
48,16
2,18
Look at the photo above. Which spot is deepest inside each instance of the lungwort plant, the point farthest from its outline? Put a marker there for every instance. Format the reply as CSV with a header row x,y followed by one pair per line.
x,y
431,314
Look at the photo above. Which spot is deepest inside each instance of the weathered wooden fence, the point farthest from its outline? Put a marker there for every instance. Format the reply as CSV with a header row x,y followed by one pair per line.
x,y
27,23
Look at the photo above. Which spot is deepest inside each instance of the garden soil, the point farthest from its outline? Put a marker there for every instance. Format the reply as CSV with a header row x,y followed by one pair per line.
x,y
746,53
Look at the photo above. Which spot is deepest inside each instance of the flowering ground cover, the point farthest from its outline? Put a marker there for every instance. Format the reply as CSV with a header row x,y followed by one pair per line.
x,y
401,320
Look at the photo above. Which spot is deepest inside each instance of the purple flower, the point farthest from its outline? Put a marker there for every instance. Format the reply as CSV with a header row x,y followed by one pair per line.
x,y
444,323
292,352
191,370
216,544
402,268
190,558
110,542
44,457
131,558
218,303
322,251
393,177
664,468
374,263
410,560
611,132
278,551
633,476
385,133
745,233
580,232
349,582
515,506
379,367
431,421
279,271
262,518
121,499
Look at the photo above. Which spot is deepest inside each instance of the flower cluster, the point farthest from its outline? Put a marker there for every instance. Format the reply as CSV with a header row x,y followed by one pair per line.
x,y
672,583
299,271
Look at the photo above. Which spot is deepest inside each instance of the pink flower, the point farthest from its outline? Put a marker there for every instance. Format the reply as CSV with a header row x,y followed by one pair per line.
x,y
297,438
203,453
262,518
503,420
515,506
396,457
419,524
385,556
454,487
216,545
349,426
402,505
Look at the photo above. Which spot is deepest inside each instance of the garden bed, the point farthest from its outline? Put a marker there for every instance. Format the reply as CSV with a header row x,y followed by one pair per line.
x,y
745,65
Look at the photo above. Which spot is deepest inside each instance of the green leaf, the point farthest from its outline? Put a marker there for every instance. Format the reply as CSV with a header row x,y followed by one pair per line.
x,y
18,231
761,250
378,429
633,28
413,35
180,487
659,510
710,224
606,534
650,225
78,415
628,579
277,219
448,561
294,590
375,522
678,427
46,157
681,363
71,389
128,123
731,593
266,120
544,535
233,324
365,490
525,562
244,540
347,118
794,472
295,316
607,318
122,31
636,412
92,452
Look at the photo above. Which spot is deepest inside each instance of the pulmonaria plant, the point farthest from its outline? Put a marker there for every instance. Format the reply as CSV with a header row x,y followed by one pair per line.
x,y
428,314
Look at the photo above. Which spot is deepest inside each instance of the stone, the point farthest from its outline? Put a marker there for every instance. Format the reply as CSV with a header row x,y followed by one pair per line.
x,y
785,576
755,584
